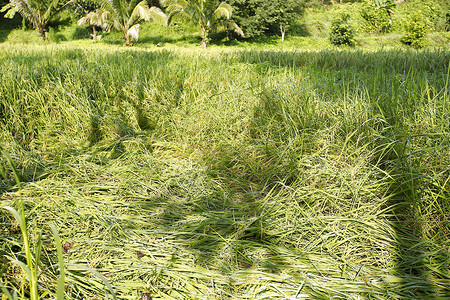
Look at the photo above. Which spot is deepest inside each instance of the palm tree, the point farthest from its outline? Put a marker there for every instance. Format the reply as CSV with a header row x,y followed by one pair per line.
x,y
98,18
201,14
38,12
124,16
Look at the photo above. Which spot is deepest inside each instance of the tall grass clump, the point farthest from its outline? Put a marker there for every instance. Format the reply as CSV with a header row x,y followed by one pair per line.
x,y
226,173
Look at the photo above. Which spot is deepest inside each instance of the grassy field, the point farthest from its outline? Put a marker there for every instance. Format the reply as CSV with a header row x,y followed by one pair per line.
x,y
229,173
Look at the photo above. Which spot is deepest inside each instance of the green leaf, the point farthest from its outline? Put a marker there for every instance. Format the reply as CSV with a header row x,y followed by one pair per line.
x,y
223,10
22,265
61,278
12,165
97,274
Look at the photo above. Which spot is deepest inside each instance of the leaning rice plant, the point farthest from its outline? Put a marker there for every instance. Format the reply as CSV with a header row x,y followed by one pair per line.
x,y
29,267
33,258
235,174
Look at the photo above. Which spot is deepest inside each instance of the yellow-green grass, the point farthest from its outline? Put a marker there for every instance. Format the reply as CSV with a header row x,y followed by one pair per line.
x,y
226,173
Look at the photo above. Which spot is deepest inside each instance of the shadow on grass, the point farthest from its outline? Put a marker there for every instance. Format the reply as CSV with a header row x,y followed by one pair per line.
x,y
400,61
154,40
224,223
145,40
421,262
225,228
419,205
7,25
13,174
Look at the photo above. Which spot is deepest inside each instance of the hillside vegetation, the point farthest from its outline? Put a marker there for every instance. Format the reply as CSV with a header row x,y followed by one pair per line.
x,y
309,31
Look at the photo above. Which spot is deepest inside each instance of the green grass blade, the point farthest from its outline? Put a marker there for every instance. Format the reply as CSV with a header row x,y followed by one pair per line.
x,y
12,165
30,269
6,292
61,278
96,274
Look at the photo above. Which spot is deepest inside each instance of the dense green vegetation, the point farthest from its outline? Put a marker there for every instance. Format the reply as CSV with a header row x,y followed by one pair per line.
x,y
228,174
254,169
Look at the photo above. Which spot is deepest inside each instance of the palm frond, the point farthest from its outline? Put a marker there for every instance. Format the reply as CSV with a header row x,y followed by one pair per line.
x,y
51,10
99,17
140,11
227,25
223,10
238,29
132,5
106,19
10,9
117,25
192,12
158,15
133,32
117,8
168,3
84,21
175,10
26,11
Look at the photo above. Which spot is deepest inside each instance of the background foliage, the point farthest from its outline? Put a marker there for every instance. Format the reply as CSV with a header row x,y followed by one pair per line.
x,y
258,17
342,32
261,19
417,27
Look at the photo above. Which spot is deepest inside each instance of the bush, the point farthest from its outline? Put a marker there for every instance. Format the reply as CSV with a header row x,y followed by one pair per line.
x,y
416,29
342,32
263,17
375,20
434,11
78,33
55,36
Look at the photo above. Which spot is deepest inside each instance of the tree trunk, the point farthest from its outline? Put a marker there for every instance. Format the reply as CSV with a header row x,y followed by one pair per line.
x,y
41,31
126,37
283,32
127,41
204,37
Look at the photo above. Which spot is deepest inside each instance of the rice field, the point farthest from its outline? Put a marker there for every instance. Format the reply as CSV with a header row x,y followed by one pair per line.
x,y
223,174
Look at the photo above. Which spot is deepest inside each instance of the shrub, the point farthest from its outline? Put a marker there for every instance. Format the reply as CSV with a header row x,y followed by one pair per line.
x,y
416,29
432,10
375,20
79,33
262,17
342,32
55,36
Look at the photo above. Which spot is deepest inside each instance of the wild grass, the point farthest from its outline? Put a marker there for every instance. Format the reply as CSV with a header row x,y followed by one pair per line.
x,y
187,174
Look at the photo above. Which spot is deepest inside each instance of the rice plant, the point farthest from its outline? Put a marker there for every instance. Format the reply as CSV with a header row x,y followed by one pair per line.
x,y
225,173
